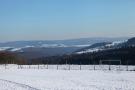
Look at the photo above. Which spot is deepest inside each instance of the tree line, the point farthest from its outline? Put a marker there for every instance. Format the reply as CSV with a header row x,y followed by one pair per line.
x,y
11,58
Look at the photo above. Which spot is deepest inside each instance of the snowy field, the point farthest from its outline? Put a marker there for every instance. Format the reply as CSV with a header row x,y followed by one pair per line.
x,y
39,78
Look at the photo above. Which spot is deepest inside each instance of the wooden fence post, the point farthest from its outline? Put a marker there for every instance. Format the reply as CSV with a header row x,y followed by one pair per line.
x,y
69,66
18,67
57,66
29,66
47,66
94,65
127,65
38,66
5,66
80,66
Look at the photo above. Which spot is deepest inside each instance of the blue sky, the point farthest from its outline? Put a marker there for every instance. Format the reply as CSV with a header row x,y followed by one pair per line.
x,y
64,19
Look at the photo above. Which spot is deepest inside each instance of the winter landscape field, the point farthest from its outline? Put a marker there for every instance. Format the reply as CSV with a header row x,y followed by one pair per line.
x,y
67,44
40,78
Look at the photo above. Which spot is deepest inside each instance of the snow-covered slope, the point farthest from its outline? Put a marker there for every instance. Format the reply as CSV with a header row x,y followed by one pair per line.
x,y
4,48
20,49
53,45
101,46
14,49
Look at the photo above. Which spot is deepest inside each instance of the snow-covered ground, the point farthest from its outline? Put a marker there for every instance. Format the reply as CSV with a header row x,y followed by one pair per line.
x,y
39,78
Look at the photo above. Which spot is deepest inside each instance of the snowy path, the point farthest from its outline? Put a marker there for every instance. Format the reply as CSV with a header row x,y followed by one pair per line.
x,y
9,85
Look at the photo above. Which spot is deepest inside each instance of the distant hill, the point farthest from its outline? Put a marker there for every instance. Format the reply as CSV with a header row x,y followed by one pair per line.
x,y
124,51
70,42
93,47
107,45
44,48
31,53
131,42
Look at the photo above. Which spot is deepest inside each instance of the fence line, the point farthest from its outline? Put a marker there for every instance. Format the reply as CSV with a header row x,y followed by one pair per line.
x,y
71,67
78,67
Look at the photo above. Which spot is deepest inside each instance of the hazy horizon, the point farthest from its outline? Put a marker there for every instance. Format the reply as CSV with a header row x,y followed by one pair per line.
x,y
65,19
68,39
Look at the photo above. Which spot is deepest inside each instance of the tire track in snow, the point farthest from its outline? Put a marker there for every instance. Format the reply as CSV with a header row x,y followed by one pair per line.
x,y
24,86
